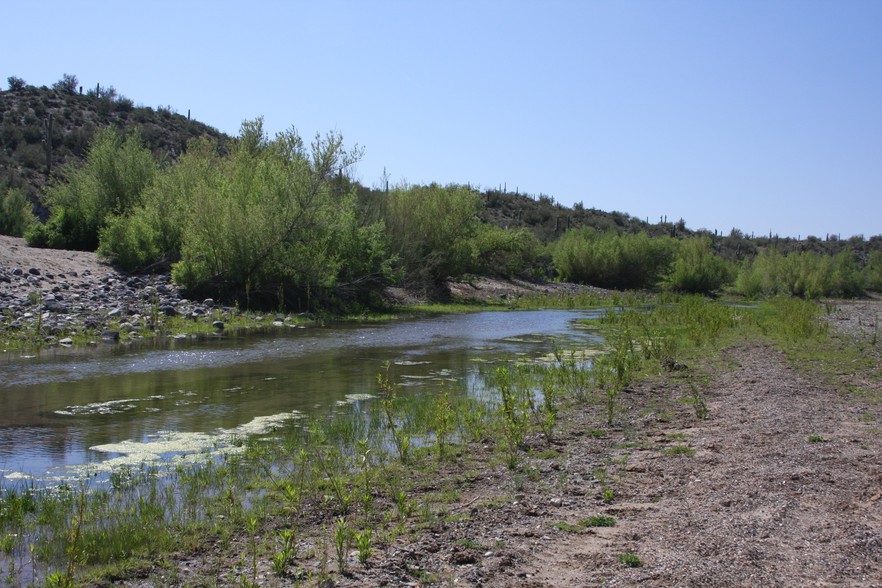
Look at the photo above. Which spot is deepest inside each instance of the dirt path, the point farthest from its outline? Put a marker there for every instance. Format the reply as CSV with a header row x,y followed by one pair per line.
x,y
757,505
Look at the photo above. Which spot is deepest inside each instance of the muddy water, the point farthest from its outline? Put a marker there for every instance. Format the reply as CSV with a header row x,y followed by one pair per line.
x,y
66,416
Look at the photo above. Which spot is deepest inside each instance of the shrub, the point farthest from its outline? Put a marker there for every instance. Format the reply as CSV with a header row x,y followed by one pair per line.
x,y
507,253
806,274
697,269
109,182
873,272
611,259
68,84
16,213
129,242
274,221
431,229
15,83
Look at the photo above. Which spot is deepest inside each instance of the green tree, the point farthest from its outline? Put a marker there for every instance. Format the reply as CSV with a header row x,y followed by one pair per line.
x,y
153,230
873,272
697,269
67,84
110,182
15,83
611,259
507,253
431,230
274,223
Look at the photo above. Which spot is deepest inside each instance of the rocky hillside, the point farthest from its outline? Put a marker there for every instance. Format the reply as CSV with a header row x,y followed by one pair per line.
x,y
43,129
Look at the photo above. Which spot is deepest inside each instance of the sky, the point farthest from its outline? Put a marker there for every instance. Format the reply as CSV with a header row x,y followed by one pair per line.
x,y
764,116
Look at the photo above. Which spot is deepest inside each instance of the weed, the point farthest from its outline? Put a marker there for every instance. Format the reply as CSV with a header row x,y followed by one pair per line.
x,y
548,408
608,495
698,403
363,545
816,439
342,537
388,395
404,505
679,450
630,560
471,544
443,420
599,521
595,521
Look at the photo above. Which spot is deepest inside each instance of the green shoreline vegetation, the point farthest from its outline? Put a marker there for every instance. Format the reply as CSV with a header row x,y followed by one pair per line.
x,y
277,223
359,473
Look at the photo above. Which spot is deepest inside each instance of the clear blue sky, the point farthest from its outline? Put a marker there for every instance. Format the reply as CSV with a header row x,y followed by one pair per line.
x,y
762,115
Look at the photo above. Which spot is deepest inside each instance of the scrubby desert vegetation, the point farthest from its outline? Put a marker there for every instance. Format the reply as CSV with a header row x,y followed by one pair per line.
x,y
267,221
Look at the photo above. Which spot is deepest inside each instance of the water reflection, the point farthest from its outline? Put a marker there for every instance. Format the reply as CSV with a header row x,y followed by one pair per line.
x,y
55,409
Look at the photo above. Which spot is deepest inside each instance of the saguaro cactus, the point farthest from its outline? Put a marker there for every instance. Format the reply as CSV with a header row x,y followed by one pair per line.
x,y
47,142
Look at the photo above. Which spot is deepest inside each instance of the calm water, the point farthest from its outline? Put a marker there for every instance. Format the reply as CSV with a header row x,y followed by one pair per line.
x,y
63,416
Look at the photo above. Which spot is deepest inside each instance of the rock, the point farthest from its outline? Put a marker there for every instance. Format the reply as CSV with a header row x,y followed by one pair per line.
x,y
110,336
461,557
34,271
17,272
55,306
219,325
66,341
208,303
168,310
114,313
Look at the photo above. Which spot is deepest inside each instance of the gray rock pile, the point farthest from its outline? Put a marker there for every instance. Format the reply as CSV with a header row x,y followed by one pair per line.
x,y
64,305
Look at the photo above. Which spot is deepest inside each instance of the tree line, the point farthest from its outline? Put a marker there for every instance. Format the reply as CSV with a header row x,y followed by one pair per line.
x,y
276,220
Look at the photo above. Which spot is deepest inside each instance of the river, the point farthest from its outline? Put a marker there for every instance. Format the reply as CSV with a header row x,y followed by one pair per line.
x,y
66,416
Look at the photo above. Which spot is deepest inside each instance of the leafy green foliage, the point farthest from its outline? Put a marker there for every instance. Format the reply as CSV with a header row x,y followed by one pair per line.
x,y
15,213
612,260
110,182
873,272
806,274
430,230
507,253
275,219
697,269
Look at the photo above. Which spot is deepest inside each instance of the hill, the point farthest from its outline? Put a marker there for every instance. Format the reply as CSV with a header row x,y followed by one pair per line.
x,y
43,129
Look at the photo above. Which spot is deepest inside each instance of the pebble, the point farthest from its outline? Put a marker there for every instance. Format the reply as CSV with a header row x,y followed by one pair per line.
x,y
67,304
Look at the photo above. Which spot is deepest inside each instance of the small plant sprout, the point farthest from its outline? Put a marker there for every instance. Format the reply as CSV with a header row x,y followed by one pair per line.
x,y
388,395
443,421
363,544
679,450
287,551
342,537
698,403
630,560
599,521
816,439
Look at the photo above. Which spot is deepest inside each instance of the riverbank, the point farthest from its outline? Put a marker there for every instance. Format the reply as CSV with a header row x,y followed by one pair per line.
x,y
53,297
755,461
772,479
